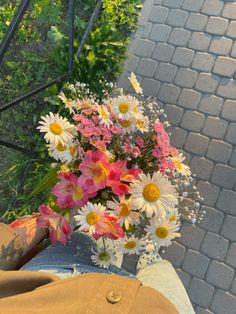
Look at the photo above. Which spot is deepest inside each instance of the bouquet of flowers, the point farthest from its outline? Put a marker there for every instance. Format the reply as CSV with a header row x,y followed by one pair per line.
x,y
119,179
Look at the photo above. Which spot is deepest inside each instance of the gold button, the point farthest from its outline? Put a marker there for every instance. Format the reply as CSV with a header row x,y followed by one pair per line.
x,y
114,297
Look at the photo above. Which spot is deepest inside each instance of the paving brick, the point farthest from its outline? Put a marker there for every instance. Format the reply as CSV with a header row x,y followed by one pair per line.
x,y
196,22
223,302
200,292
233,158
212,220
221,45
202,167
229,227
199,41
215,246
231,255
229,110
160,32
233,287
215,127
212,7
220,275
183,56
191,236
197,143
184,277
231,32
233,52
229,10
192,5
144,48
225,66
178,137
173,3
207,82
189,98
211,104
195,263
227,88
193,120
200,310
217,25
169,93
219,151
174,114
227,202
158,1
150,87
208,191
179,37
158,14
177,18
146,67
203,61
132,64
166,72
224,176
146,30
231,133
186,77
174,254
163,52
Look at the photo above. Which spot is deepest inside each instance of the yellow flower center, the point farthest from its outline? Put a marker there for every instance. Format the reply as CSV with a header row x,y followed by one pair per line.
x,y
72,150
130,245
125,123
151,192
140,124
103,113
173,218
124,209
177,164
55,128
61,147
161,232
92,218
123,107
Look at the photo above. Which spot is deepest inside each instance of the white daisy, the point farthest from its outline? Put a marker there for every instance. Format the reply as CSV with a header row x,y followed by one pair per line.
x,y
173,215
57,129
124,106
127,126
103,258
104,116
142,123
129,245
69,104
153,195
179,166
64,153
88,216
135,84
123,210
162,231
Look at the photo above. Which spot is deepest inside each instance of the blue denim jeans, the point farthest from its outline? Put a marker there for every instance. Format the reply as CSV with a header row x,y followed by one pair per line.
x,y
70,260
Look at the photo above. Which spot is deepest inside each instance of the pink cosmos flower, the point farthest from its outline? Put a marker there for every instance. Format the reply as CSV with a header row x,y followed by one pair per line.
x,y
95,166
59,227
109,228
70,191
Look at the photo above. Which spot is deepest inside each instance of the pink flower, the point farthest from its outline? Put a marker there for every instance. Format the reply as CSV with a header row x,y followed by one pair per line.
x,y
140,141
59,227
115,129
109,228
70,191
95,166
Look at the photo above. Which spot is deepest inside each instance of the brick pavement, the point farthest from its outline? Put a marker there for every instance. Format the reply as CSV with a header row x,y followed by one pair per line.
x,y
184,53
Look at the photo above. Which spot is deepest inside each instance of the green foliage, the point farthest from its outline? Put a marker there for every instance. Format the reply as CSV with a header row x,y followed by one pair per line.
x,y
39,53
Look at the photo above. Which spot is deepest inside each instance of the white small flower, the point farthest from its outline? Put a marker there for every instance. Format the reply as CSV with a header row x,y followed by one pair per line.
x,y
124,107
103,258
135,84
68,103
104,116
88,216
179,166
142,123
57,129
153,195
162,230
64,153
131,245
173,215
